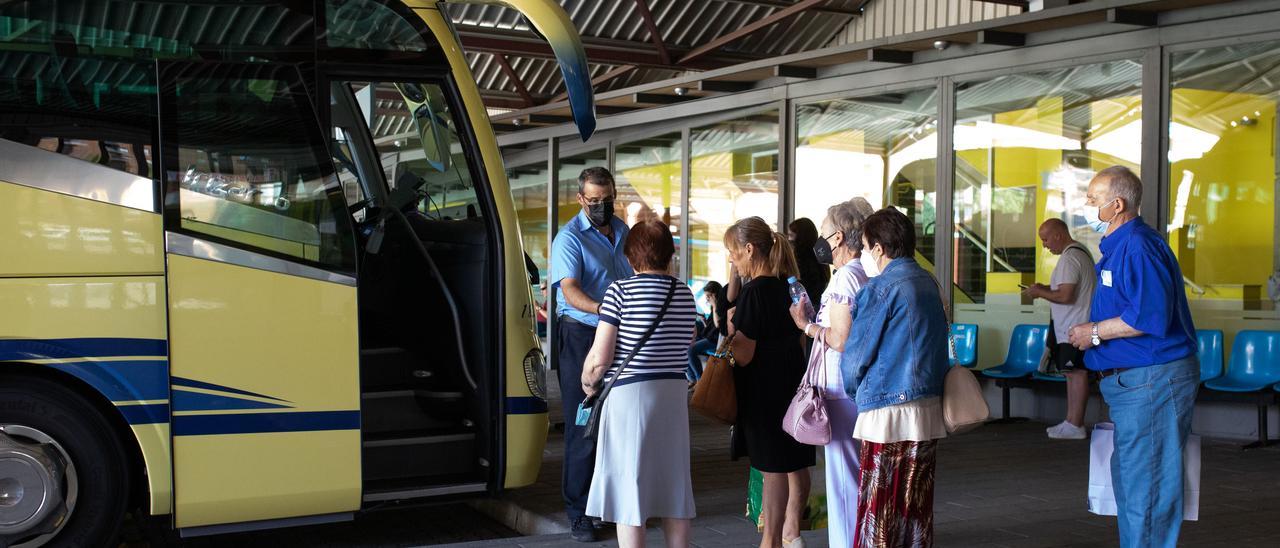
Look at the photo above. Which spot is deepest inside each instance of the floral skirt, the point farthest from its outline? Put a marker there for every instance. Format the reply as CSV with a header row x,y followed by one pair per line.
x,y
895,502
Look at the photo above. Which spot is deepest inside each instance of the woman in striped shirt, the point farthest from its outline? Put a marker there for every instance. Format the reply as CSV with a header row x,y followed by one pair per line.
x,y
642,453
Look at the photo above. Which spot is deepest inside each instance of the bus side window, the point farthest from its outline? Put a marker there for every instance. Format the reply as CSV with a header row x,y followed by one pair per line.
x,y
252,167
98,110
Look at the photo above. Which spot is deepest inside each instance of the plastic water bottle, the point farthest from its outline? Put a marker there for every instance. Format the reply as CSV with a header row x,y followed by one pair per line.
x,y
798,294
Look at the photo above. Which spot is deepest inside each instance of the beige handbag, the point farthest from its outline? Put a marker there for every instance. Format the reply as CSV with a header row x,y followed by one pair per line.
x,y
963,407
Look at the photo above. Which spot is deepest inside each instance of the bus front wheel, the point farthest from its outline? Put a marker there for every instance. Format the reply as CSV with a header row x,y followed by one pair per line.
x,y
64,476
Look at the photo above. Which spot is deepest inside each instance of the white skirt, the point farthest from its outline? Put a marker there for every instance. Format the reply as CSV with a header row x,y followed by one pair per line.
x,y
642,454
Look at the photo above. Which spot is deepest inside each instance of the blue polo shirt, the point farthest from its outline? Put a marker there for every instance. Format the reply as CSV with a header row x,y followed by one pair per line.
x,y
581,252
1140,281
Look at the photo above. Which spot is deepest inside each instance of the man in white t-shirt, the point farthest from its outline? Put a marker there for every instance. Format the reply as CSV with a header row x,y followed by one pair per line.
x,y
1069,293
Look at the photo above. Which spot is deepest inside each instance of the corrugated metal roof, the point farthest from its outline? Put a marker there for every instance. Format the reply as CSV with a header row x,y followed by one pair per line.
x,y
684,24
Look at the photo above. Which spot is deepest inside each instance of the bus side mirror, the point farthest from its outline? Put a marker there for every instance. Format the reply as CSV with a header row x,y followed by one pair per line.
x,y
428,107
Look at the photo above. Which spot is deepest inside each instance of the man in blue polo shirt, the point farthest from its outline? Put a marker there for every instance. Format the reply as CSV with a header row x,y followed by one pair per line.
x,y
1141,339
586,258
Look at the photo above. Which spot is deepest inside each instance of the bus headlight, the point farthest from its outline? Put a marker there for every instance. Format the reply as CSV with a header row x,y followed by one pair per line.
x,y
535,373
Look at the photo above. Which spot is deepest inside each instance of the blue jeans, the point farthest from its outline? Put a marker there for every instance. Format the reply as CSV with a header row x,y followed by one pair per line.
x,y
1151,408
694,371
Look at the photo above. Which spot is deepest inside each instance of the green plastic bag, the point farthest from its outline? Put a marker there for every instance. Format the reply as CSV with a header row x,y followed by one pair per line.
x,y
815,514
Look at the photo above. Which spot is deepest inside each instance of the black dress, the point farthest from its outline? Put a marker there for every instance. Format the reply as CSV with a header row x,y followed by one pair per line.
x,y
766,385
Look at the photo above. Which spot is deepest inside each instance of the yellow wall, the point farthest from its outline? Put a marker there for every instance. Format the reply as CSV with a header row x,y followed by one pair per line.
x,y
1232,196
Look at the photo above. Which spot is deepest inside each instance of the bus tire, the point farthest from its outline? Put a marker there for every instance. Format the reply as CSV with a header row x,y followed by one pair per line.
x,y
89,440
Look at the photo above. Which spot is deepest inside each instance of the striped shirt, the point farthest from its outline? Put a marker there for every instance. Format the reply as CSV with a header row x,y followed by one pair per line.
x,y
632,304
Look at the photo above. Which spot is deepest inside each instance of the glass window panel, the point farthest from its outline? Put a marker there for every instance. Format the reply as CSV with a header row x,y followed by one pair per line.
x,y
529,193
397,134
101,111
1223,177
648,176
164,30
369,24
734,174
252,169
1026,146
880,147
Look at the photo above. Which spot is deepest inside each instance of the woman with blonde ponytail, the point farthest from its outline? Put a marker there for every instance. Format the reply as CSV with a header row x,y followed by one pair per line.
x,y
770,359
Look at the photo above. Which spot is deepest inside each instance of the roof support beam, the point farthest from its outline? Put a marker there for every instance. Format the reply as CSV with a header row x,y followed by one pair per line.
x,y
770,20
724,86
795,71
1024,4
786,3
1001,38
599,50
659,98
879,55
599,80
515,79
643,7
1131,17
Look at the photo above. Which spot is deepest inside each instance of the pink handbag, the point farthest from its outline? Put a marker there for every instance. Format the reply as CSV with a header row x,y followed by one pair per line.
x,y
806,419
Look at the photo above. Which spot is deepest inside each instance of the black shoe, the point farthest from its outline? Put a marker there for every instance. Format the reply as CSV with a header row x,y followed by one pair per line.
x,y
581,529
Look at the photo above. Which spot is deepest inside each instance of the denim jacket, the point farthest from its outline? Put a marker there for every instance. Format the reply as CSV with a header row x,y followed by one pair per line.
x,y
897,346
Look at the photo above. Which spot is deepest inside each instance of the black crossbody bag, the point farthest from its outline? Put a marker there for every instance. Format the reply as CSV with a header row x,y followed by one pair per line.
x,y
595,402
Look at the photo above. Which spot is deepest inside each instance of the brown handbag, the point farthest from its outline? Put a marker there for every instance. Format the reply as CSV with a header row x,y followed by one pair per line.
x,y
714,396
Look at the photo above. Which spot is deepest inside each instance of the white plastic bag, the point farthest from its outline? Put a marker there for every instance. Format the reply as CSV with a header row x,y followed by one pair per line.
x,y
1102,498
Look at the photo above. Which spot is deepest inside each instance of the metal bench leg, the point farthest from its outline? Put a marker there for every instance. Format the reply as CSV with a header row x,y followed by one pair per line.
x,y
1263,440
1004,406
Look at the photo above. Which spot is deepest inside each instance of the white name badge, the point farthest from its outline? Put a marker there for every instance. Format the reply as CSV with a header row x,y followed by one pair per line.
x,y
1106,278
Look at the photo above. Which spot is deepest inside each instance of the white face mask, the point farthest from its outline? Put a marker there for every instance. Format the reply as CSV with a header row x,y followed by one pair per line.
x,y
1091,216
869,265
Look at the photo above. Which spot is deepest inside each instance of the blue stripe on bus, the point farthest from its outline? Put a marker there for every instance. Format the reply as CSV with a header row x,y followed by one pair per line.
x,y
192,383
145,413
253,423
122,380
39,349
196,401
525,405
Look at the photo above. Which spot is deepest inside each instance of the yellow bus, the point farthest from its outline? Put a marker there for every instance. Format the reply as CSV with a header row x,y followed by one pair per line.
x,y
259,265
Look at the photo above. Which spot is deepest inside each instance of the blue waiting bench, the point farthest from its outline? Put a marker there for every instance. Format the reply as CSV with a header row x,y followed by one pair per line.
x,y
1252,376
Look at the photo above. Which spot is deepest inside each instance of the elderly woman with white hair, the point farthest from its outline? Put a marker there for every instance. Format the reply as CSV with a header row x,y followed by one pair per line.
x,y
840,245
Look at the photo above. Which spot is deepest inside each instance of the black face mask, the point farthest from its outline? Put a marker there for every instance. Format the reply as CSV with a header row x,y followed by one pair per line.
x,y
601,214
822,251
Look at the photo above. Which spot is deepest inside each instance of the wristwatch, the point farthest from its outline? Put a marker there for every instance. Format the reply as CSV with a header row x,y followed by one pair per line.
x,y
1094,339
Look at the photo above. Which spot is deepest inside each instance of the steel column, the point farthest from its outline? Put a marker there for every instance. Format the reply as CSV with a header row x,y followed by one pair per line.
x,y
553,221
1155,140
943,207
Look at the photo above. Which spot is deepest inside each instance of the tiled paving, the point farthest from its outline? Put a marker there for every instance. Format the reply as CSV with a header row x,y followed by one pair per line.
x,y
1001,485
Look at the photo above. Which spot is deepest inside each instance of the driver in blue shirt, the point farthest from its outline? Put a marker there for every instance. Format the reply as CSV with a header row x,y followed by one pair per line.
x,y
586,257
1141,339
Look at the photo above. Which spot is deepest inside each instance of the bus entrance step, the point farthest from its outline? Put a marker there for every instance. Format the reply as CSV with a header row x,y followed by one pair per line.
x,y
425,455
390,367
407,410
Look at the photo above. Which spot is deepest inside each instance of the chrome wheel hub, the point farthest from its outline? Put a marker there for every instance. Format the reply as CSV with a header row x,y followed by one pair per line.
x,y
37,486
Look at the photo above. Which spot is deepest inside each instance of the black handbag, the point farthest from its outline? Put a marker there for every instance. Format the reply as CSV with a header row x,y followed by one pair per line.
x,y
595,402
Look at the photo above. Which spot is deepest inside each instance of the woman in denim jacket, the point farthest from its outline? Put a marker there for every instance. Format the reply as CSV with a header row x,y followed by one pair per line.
x,y
893,367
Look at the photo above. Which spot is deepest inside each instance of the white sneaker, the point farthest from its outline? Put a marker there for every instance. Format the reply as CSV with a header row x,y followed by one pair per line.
x,y
1051,429
1068,431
